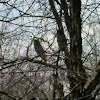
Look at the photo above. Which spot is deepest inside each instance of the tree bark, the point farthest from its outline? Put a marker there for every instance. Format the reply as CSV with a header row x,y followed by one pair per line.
x,y
76,72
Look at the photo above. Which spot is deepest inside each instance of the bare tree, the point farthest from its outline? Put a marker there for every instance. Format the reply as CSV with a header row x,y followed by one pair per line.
x,y
68,26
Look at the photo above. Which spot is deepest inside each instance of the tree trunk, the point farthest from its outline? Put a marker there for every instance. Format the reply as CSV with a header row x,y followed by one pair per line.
x,y
76,73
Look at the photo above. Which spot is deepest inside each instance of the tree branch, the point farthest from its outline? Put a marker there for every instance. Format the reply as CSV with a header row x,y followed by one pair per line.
x,y
17,61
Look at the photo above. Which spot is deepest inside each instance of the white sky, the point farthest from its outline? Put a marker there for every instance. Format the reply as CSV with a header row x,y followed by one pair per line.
x,y
36,25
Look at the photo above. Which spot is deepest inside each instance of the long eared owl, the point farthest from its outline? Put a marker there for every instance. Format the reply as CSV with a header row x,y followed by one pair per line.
x,y
39,49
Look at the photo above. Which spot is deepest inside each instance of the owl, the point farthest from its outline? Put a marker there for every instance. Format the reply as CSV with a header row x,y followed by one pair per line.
x,y
39,49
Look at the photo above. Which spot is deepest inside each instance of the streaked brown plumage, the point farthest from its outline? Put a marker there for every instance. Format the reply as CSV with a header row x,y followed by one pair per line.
x,y
39,49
